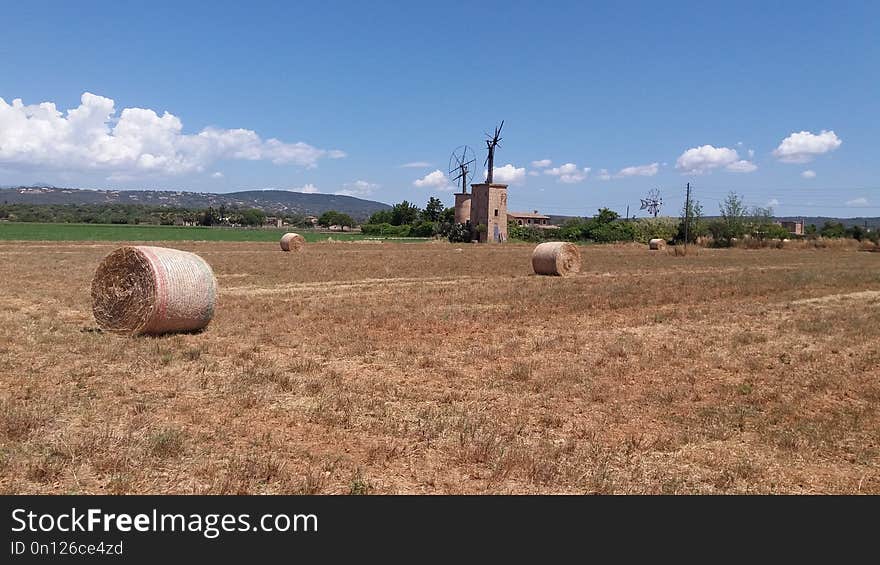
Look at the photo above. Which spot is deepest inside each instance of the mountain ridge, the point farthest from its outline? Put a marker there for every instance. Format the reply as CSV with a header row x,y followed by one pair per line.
x,y
270,201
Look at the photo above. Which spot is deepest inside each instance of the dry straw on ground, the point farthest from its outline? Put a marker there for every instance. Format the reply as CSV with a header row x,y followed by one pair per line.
x,y
612,381
292,242
153,290
556,258
657,244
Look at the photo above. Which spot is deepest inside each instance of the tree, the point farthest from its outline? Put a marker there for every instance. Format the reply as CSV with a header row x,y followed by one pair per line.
x,y
856,232
433,210
334,218
209,217
328,218
404,213
344,221
605,226
448,215
832,229
423,228
381,217
253,217
603,231
692,219
605,216
733,220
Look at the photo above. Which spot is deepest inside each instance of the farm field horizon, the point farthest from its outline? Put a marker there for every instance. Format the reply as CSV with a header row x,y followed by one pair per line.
x,y
437,368
34,231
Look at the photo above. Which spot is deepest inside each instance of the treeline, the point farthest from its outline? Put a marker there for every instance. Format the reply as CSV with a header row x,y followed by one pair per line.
x,y
604,227
736,221
408,220
334,218
138,214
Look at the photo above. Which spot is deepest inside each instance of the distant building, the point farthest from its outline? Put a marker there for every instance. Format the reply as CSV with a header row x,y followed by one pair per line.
x,y
795,227
529,219
312,220
273,221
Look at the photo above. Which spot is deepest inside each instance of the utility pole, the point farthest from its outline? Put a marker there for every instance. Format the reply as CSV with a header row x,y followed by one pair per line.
x,y
627,213
687,216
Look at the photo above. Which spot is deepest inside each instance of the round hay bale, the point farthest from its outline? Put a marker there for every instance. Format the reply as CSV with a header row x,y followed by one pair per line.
x,y
656,244
556,258
292,242
153,290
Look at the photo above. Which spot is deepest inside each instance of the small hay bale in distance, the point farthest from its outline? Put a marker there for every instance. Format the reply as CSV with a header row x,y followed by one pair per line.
x,y
656,244
153,290
292,242
558,258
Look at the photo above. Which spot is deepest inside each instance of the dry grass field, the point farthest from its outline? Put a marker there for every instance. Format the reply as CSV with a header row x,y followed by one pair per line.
x,y
436,368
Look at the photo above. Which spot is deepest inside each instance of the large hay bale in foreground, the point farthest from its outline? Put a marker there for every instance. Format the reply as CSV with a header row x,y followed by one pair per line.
x,y
292,242
556,258
656,244
153,290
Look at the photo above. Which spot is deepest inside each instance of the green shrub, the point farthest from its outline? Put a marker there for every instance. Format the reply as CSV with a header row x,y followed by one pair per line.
x,y
423,229
530,233
646,229
385,230
460,233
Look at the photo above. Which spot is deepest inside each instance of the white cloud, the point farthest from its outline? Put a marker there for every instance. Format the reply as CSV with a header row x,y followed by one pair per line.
x,y
741,166
604,174
699,160
857,202
751,153
435,179
772,203
809,174
91,138
534,174
639,170
307,189
357,188
415,165
542,163
803,147
217,175
508,174
568,173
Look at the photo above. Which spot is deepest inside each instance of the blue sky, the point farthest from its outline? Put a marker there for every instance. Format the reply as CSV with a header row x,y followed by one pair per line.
x,y
619,97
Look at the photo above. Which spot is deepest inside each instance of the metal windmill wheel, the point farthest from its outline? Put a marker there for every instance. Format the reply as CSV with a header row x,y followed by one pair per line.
x,y
461,166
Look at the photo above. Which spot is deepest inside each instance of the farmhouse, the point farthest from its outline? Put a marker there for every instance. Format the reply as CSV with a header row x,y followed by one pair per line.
x,y
795,227
529,219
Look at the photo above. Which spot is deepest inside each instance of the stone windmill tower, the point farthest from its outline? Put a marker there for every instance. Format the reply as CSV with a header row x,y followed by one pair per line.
x,y
488,200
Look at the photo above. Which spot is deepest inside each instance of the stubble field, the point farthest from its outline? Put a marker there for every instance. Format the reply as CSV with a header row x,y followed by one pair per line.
x,y
436,368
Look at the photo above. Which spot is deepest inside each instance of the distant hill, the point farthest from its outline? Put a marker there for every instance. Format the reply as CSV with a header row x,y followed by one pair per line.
x,y
270,201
